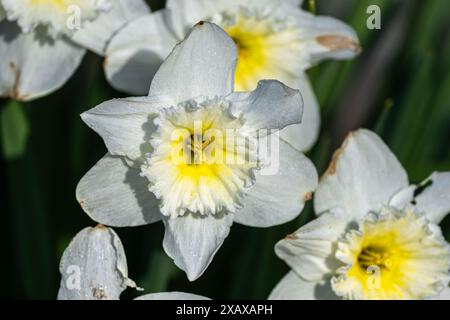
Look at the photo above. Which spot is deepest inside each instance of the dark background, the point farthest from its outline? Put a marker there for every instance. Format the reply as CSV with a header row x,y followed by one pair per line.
x,y
399,87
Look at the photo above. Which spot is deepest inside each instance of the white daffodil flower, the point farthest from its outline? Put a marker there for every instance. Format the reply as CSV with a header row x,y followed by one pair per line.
x,y
94,267
275,40
171,158
376,236
43,42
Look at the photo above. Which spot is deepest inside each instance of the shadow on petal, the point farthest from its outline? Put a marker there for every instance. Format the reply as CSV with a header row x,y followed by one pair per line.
x,y
135,74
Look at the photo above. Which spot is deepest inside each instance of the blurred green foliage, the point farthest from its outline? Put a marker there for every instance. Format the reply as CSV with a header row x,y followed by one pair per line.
x,y
15,130
399,86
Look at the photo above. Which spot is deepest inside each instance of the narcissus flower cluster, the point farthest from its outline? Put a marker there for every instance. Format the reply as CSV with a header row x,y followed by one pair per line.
x,y
216,137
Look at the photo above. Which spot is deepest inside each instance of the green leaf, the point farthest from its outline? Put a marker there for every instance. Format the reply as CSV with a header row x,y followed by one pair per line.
x,y
160,271
413,113
15,130
34,263
382,121
312,6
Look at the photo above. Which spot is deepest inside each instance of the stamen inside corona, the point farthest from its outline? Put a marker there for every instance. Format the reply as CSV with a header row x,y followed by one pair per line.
x,y
396,255
201,161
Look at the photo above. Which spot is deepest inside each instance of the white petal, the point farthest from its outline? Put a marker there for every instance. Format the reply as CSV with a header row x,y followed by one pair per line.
x,y
444,295
434,201
325,38
433,197
402,198
304,135
32,64
272,105
310,251
295,3
171,296
137,51
186,13
202,65
114,194
271,3
363,175
95,35
279,197
94,266
192,240
126,124
292,287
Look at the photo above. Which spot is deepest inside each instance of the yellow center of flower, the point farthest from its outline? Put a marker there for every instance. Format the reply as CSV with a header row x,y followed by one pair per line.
x,y
201,162
266,50
374,256
58,4
395,256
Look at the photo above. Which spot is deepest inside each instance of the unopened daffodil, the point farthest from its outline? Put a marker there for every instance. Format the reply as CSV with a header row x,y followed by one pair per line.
x,y
94,267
